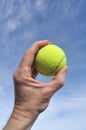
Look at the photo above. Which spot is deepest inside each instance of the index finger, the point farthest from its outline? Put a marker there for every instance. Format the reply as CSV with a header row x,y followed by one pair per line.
x,y
29,55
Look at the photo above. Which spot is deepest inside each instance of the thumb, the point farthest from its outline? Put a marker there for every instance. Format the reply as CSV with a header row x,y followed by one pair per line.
x,y
60,77
59,80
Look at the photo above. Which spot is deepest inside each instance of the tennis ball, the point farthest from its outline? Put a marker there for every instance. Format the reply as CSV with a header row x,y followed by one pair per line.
x,y
50,59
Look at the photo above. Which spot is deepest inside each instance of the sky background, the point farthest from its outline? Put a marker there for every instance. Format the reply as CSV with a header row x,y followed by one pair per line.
x,y
63,22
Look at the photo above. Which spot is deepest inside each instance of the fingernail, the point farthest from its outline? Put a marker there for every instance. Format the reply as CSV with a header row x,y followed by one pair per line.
x,y
66,69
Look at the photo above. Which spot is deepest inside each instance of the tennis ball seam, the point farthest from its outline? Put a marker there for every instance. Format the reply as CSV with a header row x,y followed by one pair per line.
x,y
56,66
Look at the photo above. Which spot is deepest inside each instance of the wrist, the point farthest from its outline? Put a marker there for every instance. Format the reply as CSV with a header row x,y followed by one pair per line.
x,y
24,115
15,124
21,120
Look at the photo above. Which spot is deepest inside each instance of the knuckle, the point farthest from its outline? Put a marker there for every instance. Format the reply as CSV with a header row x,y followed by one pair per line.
x,y
61,82
47,92
17,76
26,53
21,75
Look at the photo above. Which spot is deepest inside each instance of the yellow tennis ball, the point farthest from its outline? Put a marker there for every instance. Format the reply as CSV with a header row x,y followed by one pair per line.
x,y
50,59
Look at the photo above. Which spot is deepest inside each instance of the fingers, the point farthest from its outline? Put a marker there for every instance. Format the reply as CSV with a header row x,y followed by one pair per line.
x,y
59,80
29,55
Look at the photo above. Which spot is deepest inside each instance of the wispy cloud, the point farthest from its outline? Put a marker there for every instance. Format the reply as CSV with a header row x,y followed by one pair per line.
x,y
70,8
6,106
11,25
41,6
6,100
15,14
63,112
22,22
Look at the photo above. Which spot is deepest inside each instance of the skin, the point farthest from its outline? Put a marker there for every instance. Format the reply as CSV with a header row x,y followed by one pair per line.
x,y
31,96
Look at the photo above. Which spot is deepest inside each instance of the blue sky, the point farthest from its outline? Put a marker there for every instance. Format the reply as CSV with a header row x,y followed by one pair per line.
x,y
63,22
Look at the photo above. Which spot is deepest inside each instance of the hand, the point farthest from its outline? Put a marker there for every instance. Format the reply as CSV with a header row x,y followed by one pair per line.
x,y
32,96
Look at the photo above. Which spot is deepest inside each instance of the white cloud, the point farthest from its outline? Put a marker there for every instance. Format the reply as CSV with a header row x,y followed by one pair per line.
x,y
1,88
6,102
64,112
70,8
11,25
27,11
6,106
41,5
24,12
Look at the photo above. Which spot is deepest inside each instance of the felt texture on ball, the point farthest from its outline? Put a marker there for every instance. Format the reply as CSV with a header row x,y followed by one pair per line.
x,y
50,59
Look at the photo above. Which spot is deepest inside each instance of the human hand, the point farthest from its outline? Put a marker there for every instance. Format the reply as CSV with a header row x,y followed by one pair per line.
x,y
32,96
